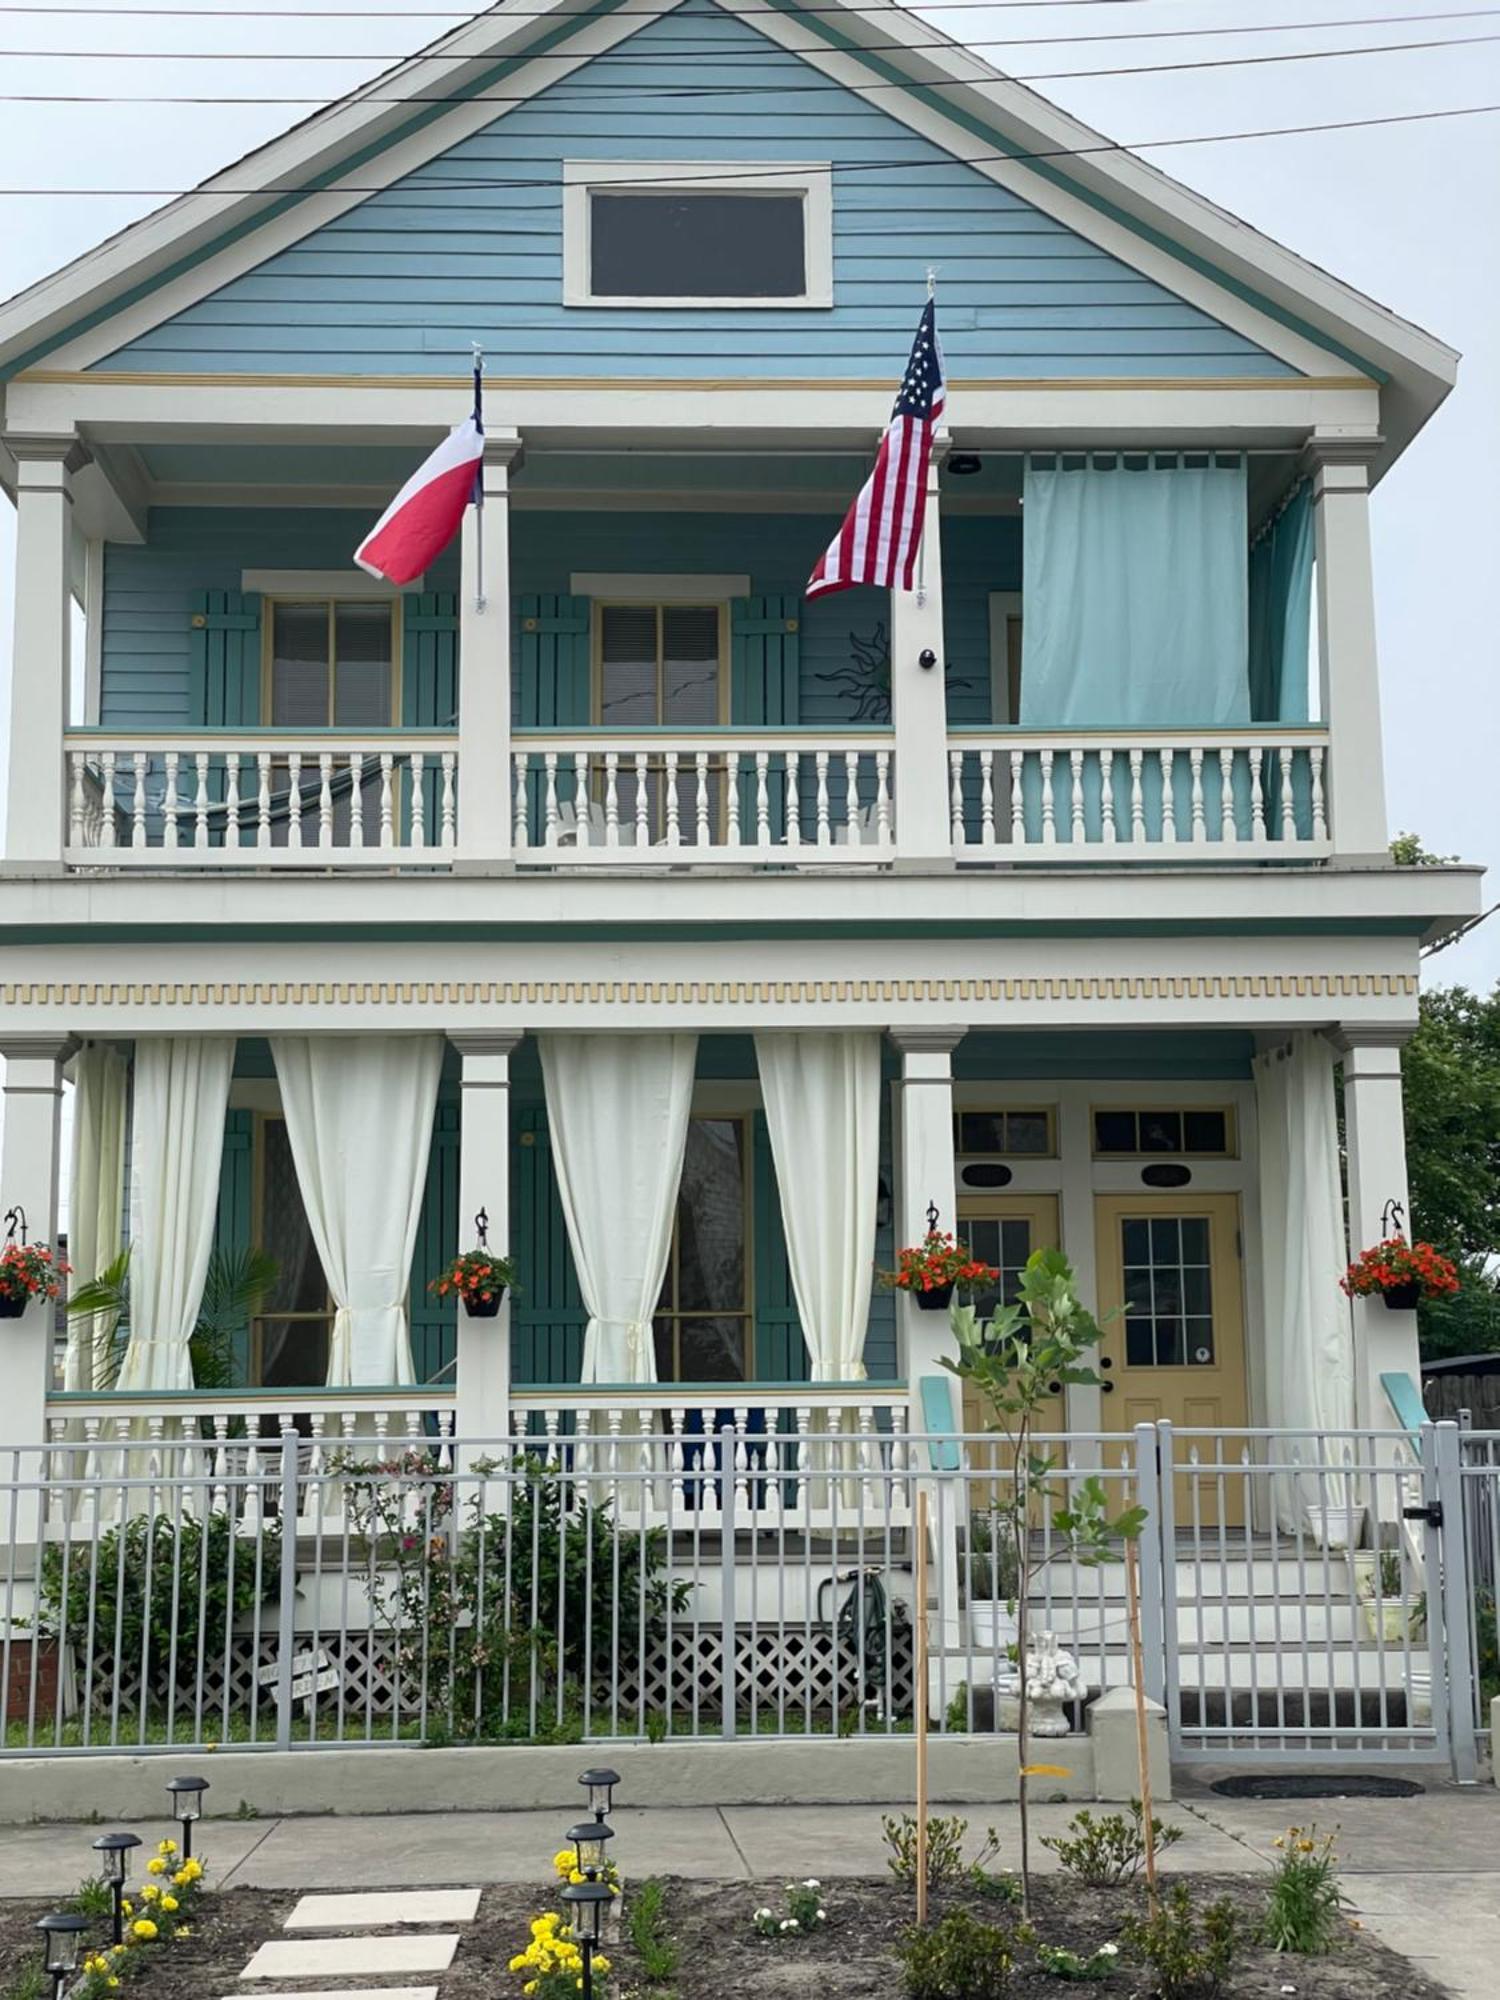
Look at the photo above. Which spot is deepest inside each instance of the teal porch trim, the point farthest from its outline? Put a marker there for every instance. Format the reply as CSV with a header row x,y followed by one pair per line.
x,y
937,1421
1405,1400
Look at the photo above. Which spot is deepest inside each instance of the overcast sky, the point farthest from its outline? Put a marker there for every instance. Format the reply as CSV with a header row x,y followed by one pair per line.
x,y
1406,213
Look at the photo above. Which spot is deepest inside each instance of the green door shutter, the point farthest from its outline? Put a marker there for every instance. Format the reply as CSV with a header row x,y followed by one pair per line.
x,y
234,1219
434,1321
226,659
553,682
780,1351
547,1316
764,686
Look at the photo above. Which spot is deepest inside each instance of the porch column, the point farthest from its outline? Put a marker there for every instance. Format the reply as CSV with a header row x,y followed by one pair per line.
x,y
1375,1141
29,1166
925,1174
484,667
483,1385
1346,651
41,660
919,706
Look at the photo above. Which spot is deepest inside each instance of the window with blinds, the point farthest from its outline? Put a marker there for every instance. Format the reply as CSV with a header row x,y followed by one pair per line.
x,y
332,664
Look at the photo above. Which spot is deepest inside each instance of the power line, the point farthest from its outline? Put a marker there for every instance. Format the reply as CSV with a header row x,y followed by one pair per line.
x,y
742,12
771,170
604,87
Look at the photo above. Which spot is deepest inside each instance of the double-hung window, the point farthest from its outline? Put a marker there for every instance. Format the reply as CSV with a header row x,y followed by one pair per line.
x,y
330,665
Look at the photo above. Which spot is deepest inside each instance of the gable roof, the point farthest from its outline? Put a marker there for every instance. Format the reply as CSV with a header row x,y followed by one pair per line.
x,y
337,157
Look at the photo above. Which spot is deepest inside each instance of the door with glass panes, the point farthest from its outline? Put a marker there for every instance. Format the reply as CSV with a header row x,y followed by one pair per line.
x,y
1003,1230
1169,1270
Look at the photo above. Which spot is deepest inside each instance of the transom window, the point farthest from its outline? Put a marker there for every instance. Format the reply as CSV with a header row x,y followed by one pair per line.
x,y
1129,1134
1027,1133
704,1326
290,1335
1169,1303
332,664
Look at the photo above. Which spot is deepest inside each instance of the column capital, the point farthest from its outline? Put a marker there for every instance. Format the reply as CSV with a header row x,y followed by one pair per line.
x,y
504,451
1340,464
44,448
480,1042
1352,1041
926,1041
38,1047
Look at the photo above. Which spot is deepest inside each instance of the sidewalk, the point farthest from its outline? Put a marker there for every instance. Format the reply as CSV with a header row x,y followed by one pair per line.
x,y
1423,1873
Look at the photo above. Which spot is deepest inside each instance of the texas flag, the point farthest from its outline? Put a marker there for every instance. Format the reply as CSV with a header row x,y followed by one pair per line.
x,y
426,514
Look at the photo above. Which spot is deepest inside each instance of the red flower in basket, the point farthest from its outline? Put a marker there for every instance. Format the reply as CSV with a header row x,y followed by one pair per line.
x,y
30,1271
1401,1273
479,1278
936,1265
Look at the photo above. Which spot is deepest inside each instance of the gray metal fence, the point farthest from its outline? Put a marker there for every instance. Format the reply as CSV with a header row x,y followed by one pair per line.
x,y
1303,1597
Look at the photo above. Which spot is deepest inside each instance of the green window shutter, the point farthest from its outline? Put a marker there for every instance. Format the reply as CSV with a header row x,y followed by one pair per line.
x,y
434,1321
226,659
553,680
780,1351
234,1219
429,660
547,1315
764,662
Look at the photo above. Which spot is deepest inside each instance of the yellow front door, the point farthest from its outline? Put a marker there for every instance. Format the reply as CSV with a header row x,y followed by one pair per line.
x,y
1003,1230
1169,1269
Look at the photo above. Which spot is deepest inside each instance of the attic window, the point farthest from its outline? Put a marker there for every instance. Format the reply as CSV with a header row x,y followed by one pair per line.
x,y
707,234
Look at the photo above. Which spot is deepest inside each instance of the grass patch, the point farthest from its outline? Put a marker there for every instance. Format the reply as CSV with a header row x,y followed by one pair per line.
x,y
655,1947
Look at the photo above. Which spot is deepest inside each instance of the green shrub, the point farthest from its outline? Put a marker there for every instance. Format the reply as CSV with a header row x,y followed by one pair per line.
x,y
1108,1851
959,1958
1189,1954
646,1921
155,1590
945,1849
1304,1904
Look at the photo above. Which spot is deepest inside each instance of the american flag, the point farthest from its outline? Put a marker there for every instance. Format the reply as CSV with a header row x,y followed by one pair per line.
x,y
881,532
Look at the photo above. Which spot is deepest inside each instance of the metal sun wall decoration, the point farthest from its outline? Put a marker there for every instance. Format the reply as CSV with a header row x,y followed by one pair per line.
x,y
866,680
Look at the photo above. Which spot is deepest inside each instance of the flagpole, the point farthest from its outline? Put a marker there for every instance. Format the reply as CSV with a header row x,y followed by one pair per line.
x,y
479,598
922,544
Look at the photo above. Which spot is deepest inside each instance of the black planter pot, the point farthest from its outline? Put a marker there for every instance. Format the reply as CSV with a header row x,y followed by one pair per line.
x,y
485,1308
1402,1298
936,1300
13,1304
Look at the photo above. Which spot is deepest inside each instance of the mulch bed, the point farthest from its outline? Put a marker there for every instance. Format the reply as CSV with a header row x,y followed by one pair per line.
x,y
853,1958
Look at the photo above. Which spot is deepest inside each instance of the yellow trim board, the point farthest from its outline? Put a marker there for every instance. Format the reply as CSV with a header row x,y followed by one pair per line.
x,y
675,385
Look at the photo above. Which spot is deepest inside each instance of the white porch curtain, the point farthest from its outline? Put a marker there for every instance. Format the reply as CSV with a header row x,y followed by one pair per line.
x,y
181,1096
822,1099
359,1112
96,1193
617,1111
1309,1359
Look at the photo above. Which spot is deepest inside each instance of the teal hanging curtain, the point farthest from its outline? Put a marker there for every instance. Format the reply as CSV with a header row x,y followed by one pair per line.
x,y
1281,566
1134,588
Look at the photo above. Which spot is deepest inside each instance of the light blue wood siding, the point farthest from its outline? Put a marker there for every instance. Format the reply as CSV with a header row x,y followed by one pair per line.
x,y
403,283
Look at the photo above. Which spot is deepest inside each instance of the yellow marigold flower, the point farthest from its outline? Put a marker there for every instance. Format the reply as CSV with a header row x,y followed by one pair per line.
x,y
156,1866
150,1893
518,1963
530,1986
127,1906
575,1875
192,1870
184,1930
167,1847
1304,1847
169,1902
144,1928
601,1964
112,1980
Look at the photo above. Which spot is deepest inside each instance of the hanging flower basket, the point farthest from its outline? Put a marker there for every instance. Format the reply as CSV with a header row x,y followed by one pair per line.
x,y
480,1279
1401,1273
29,1271
934,1269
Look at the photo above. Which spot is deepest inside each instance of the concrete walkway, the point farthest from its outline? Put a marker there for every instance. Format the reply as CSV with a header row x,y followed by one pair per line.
x,y
1423,1873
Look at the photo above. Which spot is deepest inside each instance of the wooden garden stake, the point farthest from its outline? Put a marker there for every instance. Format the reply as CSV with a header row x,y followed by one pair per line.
x,y
1142,1742
920,1703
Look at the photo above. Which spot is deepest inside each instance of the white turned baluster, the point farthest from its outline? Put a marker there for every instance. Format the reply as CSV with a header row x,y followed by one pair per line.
x,y
1017,799
700,797
200,800
1195,759
987,798
611,798
417,832
1049,822
549,800
1288,802
263,798
793,802
762,798
900,1452
1257,797
520,827
107,836
323,830
956,795
1075,772
804,1456
741,1461
851,793
294,798
169,801
674,804
883,830
642,801
732,797
1319,814
448,804
220,1487
1228,830
75,798
677,1459
825,831
581,815
356,798
1137,804
1107,797
1168,803
387,817
232,798
138,801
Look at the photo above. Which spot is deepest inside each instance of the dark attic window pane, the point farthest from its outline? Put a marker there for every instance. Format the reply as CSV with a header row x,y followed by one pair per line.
x,y
696,246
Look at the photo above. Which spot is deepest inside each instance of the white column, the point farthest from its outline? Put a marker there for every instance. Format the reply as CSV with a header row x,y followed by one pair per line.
x,y
29,1166
1375,1143
483,1384
1350,691
1086,1406
41,661
925,1176
484,668
919,706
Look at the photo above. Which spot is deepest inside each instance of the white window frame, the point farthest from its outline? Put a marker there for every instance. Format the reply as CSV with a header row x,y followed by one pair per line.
x,y
813,180
1004,606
